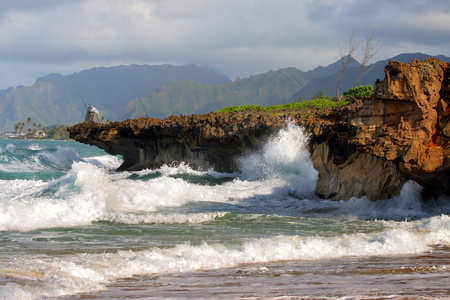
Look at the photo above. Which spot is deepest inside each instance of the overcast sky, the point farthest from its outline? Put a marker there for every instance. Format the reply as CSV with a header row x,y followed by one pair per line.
x,y
236,37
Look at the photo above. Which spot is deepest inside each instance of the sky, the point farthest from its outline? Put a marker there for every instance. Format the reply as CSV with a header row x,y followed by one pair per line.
x,y
238,38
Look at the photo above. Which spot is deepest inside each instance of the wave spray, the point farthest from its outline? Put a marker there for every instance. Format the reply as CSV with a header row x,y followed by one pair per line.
x,y
285,157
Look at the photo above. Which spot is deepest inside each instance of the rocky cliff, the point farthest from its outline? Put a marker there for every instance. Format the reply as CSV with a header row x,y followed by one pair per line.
x,y
401,133
368,148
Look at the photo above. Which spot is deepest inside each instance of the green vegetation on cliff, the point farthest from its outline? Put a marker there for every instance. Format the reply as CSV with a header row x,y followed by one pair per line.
x,y
314,104
359,92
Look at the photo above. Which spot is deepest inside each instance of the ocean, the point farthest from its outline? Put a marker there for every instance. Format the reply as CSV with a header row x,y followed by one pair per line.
x,y
71,227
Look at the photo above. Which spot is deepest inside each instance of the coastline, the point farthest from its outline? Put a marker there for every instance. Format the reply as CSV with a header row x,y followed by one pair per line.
x,y
400,133
375,277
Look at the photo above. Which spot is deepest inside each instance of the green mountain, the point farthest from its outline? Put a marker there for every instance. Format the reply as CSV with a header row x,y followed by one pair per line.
x,y
273,87
190,97
375,71
57,99
134,91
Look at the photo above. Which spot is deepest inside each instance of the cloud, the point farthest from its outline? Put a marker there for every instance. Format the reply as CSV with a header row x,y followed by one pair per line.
x,y
237,37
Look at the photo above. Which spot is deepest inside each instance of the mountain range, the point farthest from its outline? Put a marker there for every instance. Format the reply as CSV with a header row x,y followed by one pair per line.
x,y
124,92
193,97
274,87
57,99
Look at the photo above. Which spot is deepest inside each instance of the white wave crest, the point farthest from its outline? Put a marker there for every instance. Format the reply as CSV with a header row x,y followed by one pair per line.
x,y
159,218
89,272
285,157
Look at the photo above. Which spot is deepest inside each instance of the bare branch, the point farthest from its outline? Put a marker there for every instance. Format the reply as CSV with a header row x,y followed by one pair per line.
x,y
368,52
347,59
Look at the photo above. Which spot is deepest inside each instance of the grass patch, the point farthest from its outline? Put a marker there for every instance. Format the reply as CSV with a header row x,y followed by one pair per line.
x,y
315,104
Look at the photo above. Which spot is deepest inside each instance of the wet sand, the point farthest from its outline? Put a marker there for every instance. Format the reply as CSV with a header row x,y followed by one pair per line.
x,y
424,276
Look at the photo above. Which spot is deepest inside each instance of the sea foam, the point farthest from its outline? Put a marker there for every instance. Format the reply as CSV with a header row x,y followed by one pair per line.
x,y
89,193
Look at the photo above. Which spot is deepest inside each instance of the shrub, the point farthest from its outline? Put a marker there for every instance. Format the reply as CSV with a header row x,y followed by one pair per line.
x,y
314,104
359,92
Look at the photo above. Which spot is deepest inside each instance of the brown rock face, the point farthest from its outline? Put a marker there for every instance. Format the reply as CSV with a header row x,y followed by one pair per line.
x,y
413,100
368,148
400,133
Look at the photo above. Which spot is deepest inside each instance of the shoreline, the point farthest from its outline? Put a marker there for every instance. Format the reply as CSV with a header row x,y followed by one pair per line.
x,y
375,277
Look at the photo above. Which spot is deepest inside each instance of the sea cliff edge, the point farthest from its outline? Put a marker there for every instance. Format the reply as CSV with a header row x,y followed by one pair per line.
x,y
370,147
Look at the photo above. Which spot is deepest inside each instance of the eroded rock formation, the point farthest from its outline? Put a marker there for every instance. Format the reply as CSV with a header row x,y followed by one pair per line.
x,y
400,133
368,148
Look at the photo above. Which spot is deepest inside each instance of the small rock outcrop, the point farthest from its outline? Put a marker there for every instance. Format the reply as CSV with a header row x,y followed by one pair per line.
x,y
207,141
368,148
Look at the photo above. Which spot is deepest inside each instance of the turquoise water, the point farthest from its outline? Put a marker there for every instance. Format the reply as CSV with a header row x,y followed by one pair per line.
x,y
71,227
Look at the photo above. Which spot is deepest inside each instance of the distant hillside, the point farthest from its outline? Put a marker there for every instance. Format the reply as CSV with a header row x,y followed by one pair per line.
x,y
55,99
134,91
273,87
329,70
375,71
189,97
